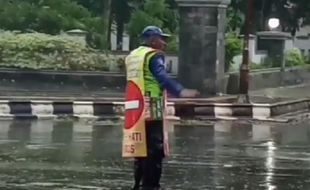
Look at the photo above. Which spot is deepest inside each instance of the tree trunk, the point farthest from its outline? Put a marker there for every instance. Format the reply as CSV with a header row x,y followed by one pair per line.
x,y
106,16
133,42
109,31
119,34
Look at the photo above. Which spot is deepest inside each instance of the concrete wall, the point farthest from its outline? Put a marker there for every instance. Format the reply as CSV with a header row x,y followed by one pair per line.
x,y
35,80
124,45
270,78
256,55
304,31
302,40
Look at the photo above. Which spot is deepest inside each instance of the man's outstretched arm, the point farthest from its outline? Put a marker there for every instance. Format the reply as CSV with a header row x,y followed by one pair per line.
x,y
158,69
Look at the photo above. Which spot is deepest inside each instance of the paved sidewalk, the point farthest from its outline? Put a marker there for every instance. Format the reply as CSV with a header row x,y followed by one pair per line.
x,y
113,98
9,91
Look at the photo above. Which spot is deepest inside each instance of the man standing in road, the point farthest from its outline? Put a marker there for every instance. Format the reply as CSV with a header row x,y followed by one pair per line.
x,y
147,82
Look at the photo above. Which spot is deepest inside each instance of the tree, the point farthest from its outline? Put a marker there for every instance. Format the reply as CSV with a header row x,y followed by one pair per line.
x,y
94,6
121,14
234,19
152,12
292,13
102,9
47,16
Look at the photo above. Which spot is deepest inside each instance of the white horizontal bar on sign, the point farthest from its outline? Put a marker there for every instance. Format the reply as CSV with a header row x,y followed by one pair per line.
x,y
118,103
132,104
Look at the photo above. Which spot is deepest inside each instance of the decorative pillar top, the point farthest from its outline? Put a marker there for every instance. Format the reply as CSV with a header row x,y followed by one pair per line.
x,y
273,35
203,3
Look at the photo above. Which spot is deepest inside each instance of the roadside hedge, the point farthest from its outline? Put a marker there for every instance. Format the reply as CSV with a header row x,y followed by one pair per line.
x,y
42,51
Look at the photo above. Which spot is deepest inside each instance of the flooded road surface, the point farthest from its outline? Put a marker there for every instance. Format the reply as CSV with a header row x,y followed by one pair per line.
x,y
70,155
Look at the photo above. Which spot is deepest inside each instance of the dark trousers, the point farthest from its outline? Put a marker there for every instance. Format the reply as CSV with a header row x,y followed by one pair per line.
x,y
148,170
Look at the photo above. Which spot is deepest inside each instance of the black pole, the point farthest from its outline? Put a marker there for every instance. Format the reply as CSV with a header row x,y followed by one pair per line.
x,y
243,96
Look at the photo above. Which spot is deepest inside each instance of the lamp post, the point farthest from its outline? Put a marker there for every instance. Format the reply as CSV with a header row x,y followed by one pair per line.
x,y
243,96
273,23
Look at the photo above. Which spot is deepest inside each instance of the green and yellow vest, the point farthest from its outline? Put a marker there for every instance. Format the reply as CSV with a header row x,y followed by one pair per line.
x,y
145,100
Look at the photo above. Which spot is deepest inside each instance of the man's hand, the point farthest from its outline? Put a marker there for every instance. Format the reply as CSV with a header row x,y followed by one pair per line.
x,y
188,93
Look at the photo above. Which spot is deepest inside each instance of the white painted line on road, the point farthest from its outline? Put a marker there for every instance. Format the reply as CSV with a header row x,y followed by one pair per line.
x,y
46,109
82,108
222,111
5,108
259,112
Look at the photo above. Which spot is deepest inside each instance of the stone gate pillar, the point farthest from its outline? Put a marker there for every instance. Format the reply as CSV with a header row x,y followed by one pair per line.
x,y
202,44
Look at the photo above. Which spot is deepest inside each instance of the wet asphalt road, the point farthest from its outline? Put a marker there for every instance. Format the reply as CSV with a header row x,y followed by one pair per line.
x,y
71,155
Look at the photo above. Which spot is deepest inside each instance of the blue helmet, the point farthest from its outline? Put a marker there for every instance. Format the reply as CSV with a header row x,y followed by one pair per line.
x,y
150,31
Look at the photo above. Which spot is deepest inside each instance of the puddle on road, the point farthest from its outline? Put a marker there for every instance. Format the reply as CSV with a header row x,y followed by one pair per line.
x,y
71,155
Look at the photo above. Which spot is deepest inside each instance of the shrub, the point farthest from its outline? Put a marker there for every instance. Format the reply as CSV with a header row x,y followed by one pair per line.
x,y
271,62
233,47
307,58
42,51
294,57
256,66
173,44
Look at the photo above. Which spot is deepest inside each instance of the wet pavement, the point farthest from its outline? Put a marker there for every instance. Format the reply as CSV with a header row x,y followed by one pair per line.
x,y
56,92
10,90
285,93
39,91
68,155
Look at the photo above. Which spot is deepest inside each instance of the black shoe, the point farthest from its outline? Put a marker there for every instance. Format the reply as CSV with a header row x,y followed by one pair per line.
x,y
156,188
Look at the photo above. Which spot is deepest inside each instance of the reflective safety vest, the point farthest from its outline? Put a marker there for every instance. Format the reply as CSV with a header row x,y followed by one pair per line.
x,y
145,100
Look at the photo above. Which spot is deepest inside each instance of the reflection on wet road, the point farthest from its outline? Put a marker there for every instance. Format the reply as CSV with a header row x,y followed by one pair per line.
x,y
70,155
